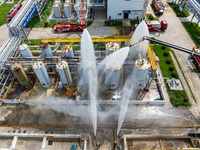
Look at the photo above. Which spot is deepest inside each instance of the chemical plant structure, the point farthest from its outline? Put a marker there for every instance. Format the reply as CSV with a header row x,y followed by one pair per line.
x,y
71,10
45,72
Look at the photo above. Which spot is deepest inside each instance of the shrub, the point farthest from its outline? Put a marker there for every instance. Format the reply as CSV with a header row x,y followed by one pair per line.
x,y
166,54
163,47
150,17
168,61
46,24
171,68
174,74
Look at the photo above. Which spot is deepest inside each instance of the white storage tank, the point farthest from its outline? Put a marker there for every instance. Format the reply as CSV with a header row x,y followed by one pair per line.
x,y
57,11
85,72
77,8
58,2
42,74
142,66
112,78
65,76
67,10
111,47
25,51
46,50
68,51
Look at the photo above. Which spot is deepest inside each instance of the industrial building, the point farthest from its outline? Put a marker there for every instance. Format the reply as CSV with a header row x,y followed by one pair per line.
x,y
118,9
125,9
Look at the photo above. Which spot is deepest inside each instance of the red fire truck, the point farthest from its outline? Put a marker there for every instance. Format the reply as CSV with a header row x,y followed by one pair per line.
x,y
156,26
196,59
13,11
61,27
158,7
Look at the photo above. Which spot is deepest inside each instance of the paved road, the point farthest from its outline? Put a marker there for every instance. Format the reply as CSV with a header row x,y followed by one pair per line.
x,y
4,34
96,29
176,34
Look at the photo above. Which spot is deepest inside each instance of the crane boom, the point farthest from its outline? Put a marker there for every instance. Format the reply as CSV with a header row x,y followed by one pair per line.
x,y
82,12
170,45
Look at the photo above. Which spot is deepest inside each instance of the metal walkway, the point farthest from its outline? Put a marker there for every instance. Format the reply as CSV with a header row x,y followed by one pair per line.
x,y
16,34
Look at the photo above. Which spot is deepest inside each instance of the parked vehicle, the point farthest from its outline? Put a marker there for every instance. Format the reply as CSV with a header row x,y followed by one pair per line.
x,y
10,15
196,59
156,26
158,7
61,27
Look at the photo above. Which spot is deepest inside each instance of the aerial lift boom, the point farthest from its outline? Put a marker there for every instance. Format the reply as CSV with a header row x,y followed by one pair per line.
x,y
169,45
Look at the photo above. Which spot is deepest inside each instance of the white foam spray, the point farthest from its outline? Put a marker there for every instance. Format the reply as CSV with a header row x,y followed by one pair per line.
x,y
135,50
88,61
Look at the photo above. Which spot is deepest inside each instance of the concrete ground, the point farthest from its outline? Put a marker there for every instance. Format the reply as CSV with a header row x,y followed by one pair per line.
x,y
176,34
4,34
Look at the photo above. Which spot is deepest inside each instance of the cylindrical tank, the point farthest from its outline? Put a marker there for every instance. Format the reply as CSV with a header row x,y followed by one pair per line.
x,y
112,78
65,76
142,66
57,10
58,2
46,50
111,47
20,74
77,11
25,51
68,51
67,10
42,74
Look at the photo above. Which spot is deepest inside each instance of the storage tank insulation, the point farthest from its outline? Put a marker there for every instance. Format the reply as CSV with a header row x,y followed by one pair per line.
x,y
68,51
85,72
57,10
112,78
25,51
67,10
42,74
142,66
20,74
46,50
111,47
65,76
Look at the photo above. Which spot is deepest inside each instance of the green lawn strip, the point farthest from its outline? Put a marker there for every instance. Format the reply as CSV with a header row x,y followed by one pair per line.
x,y
177,98
133,22
35,21
178,13
34,48
194,31
113,23
184,77
4,9
150,17
32,42
89,23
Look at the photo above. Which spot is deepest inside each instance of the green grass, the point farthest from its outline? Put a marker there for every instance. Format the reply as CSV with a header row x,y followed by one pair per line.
x,y
89,23
149,17
4,9
35,21
32,42
175,8
177,98
34,48
133,22
194,32
184,77
113,23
